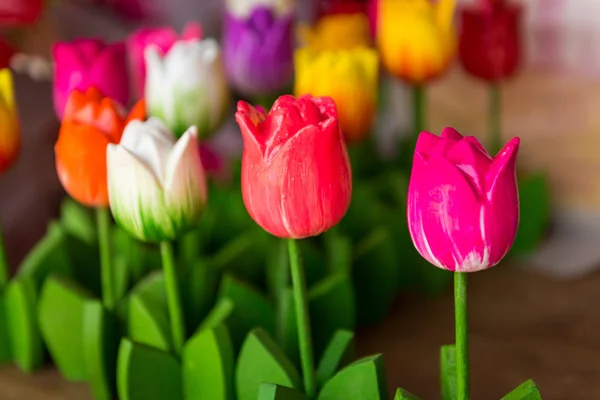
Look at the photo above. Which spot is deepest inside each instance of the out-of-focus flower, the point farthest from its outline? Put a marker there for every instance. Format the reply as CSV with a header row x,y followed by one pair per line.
x,y
416,38
163,39
156,184
372,14
187,86
7,51
463,205
90,123
490,39
350,77
258,52
10,129
244,8
86,63
20,12
339,31
332,7
296,177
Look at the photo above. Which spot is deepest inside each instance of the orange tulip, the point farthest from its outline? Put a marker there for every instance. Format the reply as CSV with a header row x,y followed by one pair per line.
x,y
90,123
10,138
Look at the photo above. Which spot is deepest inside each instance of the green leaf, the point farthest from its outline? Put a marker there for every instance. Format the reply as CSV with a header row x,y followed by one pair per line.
x,y
145,373
141,258
270,391
221,313
5,345
85,263
339,352
49,256
528,390
364,379
60,315
78,220
20,301
251,309
332,307
448,371
147,316
287,334
375,275
208,365
100,344
402,394
262,361
199,291
534,205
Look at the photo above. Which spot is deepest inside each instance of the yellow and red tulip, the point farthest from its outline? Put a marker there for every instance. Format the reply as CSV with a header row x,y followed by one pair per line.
x,y
350,77
10,129
338,31
416,38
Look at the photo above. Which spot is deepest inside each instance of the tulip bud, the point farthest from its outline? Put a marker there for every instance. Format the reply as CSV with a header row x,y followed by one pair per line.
x,y
163,38
337,31
416,38
156,185
90,123
354,88
10,130
187,86
490,40
463,205
86,63
296,177
258,52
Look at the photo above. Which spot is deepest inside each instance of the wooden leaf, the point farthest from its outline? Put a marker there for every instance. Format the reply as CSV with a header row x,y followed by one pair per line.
x,y
251,309
287,334
270,391
100,344
199,291
5,347
448,371
60,315
220,314
20,301
339,352
364,379
262,361
49,256
403,394
145,373
78,220
84,259
528,390
332,307
207,365
147,315
141,258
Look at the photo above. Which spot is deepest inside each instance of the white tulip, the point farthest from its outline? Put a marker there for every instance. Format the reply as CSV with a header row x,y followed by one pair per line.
x,y
156,185
187,86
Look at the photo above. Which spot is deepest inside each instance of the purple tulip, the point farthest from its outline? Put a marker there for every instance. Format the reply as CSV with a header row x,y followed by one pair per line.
x,y
259,52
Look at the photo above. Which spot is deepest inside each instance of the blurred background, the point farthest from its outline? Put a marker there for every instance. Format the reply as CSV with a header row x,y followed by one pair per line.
x,y
552,104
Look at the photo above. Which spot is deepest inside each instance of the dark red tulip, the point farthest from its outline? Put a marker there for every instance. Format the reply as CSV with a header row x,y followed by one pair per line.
x,y
331,7
490,39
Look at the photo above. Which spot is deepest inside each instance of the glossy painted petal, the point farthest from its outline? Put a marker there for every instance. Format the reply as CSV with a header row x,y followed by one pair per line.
x,y
136,197
185,184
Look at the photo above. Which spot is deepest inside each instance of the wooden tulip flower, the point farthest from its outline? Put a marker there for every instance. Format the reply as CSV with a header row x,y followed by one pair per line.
x,y
463,214
296,183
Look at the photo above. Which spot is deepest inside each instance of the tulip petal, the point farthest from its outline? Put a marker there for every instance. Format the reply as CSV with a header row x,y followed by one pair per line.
x,y
108,73
7,96
185,184
136,197
250,120
430,144
450,133
446,220
472,162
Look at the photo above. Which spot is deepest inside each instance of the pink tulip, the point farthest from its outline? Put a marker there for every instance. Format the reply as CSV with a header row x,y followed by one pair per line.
x,y
463,205
163,38
85,63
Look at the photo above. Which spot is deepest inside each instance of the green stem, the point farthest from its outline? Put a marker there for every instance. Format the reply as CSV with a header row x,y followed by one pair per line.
x,y
419,109
302,319
173,296
495,119
106,266
189,247
462,338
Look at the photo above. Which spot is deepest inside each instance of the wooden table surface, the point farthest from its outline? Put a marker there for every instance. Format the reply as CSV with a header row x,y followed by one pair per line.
x,y
522,326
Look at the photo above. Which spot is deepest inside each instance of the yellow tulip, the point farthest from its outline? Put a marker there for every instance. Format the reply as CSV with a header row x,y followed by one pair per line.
x,y
340,31
350,77
10,140
416,38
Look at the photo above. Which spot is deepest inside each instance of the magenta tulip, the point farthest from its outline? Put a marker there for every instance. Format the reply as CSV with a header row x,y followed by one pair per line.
x,y
163,38
463,204
85,63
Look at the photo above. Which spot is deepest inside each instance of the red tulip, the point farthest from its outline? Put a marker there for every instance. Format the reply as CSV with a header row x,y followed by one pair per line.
x,y
331,7
490,39
20,12
296,177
